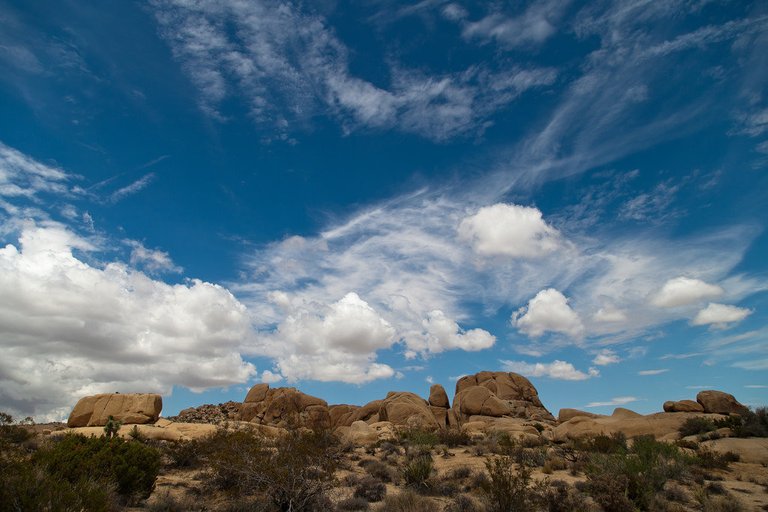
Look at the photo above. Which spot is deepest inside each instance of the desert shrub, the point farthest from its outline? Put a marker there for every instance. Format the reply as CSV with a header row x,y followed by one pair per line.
x,y
26,486
294,471
381,471
601,443
407,501
708,459
453,437
387,448
684,443
353,504
166,502
463,503
133,467
637,475
417,471
11,433
370,489
183,454
750,424
558,496
696,426
506,489
418,437
460,473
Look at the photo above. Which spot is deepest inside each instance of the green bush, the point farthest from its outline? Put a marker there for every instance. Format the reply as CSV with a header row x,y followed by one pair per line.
x,y
10,433
601,443
407,501
453,437
131,466
293,472
637,474
696,426
25,486
370,489
506,489
418,437
750,424
416,472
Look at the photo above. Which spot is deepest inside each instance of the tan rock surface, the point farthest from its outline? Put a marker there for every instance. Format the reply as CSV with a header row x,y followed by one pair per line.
x,y
753,449
719,402
438,397
283,407
128,408
498,394
662,425
405,408
567,414
359,434
683,406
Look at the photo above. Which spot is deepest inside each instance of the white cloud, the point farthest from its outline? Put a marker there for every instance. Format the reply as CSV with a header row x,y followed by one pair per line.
x,y
560,370
609,315
534,26
68,328
756,386
336,342
682,291
719,315
606,357
509,230
548,311
270,377
152,260
442,333
289,65
132,188
752,364
619,400
653,372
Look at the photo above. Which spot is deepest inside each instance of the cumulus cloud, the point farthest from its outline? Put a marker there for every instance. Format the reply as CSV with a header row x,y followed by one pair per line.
x,y
560,370
336,342
68,328
534,26
509,230
610,315
443,333
153,260
606,357
270,377
548,311
720,315
682,291
619,400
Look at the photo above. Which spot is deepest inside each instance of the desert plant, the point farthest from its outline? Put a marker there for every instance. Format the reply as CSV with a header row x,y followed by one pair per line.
x,y
294,471
112,427
183,454
463,503
507,489
696,426
453,437
370,489
132,467
407,501
416,472
558,496
381,471
353,504
27,486
418,437
601,443
11,433
749,424
166,502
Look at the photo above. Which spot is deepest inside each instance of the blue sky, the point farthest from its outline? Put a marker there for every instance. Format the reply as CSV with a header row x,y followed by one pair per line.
x,y
357,197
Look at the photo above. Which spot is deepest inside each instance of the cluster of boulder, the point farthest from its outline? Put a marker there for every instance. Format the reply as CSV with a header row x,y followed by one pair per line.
x,y
483,402
711,402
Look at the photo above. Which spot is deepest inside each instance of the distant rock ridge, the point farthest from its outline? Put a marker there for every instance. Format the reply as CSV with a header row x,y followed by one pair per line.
x,y
483,403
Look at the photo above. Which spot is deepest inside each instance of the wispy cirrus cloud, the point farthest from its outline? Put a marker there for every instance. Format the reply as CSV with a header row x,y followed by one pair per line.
x,y
613,402
287,64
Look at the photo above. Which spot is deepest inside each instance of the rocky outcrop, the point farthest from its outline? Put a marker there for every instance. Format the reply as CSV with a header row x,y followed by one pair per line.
x,y
408,409
568,414
683,406
718,402
208,413
498,394
129,408
438,397
284,407
344,415
661,425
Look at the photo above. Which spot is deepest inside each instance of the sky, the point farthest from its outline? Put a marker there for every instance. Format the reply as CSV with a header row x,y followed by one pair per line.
x,y
357,197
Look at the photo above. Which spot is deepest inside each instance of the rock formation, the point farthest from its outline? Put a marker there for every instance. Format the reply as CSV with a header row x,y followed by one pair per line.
x,y
683,406
720,403
498,395
404,408
283,407
129,408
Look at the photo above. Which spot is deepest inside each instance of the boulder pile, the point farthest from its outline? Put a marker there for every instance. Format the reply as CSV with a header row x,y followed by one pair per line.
x,y
210,414
284,407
